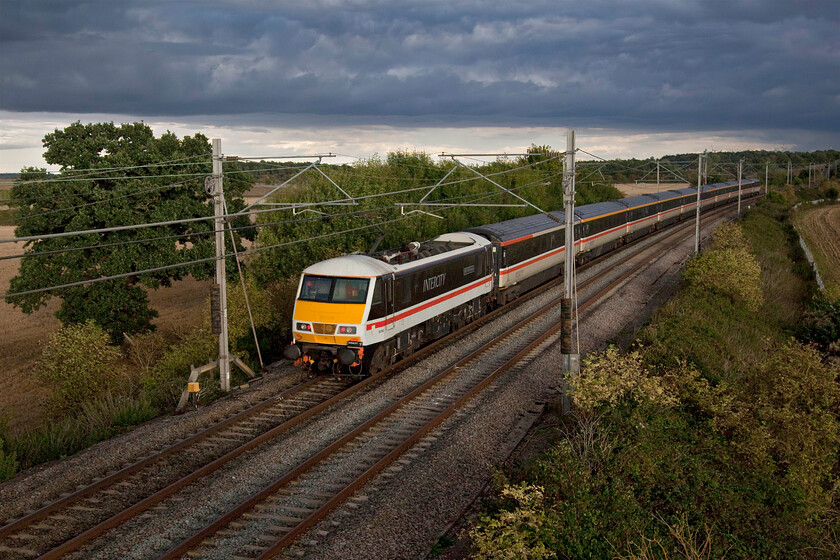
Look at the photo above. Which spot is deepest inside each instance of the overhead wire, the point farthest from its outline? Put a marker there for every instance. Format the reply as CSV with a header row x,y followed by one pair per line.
x,y
198,261
471,197
17,219
93,170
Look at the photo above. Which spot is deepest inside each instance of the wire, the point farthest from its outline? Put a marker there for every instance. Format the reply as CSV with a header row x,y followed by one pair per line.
x,y
471,198
92,170
199,261
17,219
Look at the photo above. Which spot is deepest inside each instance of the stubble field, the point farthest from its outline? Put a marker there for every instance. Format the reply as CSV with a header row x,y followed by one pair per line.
x,y
820,227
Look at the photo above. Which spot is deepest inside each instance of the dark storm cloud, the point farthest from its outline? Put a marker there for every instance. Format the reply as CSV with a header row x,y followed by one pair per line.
x,y
658,64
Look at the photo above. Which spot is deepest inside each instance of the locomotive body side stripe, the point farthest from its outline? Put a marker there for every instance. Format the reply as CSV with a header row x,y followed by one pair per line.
x,y
431,303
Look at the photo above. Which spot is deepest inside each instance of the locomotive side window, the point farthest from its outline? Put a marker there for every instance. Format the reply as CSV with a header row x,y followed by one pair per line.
x,y
377,305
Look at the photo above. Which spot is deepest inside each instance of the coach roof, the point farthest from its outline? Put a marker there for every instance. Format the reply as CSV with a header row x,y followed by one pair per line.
x,y
520,227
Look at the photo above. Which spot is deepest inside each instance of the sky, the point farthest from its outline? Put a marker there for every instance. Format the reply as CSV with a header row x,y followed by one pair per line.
x,y
359,77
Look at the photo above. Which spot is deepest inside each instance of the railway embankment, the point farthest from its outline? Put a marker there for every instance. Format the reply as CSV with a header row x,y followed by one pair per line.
x,y
716,433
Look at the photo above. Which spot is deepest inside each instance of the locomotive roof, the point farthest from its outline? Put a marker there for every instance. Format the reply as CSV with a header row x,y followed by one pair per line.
x,y
351,266
365,266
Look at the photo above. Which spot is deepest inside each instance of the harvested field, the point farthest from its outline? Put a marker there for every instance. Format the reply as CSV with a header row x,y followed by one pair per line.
x,y
632,189
22,336
820,227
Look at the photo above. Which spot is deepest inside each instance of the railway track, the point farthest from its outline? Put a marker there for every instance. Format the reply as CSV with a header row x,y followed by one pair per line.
x,y
270,520
70,521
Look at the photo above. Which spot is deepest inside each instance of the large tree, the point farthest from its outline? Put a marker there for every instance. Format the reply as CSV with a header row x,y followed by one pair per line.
x,y
114,176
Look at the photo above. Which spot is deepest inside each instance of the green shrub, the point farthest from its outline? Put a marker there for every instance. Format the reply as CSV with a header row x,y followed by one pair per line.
x,y
78,363
516,531
729,268
611,377
48,442
266,317
97,419
8,457
820,325
165,380
776,197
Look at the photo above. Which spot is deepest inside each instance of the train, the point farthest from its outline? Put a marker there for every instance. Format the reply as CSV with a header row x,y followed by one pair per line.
x,y
357,314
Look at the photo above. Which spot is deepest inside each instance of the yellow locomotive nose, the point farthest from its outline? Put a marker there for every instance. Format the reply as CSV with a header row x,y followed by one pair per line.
x,y
326,319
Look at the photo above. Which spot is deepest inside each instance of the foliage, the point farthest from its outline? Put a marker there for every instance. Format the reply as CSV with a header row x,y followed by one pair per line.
x,y
78,364
166,379
114,175
692,544
728,269
611,377
515,533
744,462
97,419
266,318
776,197
145,350
821,325
8,457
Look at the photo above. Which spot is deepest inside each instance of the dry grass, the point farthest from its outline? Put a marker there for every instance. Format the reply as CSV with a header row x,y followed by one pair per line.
x,y
22,336
820,227
632,189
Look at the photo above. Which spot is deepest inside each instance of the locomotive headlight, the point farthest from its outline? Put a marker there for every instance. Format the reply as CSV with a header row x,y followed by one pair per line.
x,y
347,330
304,327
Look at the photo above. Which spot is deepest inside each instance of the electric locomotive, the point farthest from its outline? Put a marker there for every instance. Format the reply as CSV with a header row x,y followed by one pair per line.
x,y
362,312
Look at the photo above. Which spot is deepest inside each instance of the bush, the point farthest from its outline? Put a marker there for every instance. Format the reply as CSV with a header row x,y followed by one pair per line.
x,y
516,531
8,458
612,377
820,325
266,318
165,380
78,363
776,198
729,269
97,419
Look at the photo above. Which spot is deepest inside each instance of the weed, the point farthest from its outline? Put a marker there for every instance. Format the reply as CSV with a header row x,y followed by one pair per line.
x,y
441,545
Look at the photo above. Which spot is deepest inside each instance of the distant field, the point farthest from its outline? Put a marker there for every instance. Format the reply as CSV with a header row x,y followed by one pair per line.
x,y
820,227
22,336
632,189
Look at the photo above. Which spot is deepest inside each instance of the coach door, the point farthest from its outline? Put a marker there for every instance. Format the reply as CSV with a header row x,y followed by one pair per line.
x,y
390,321
496,260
